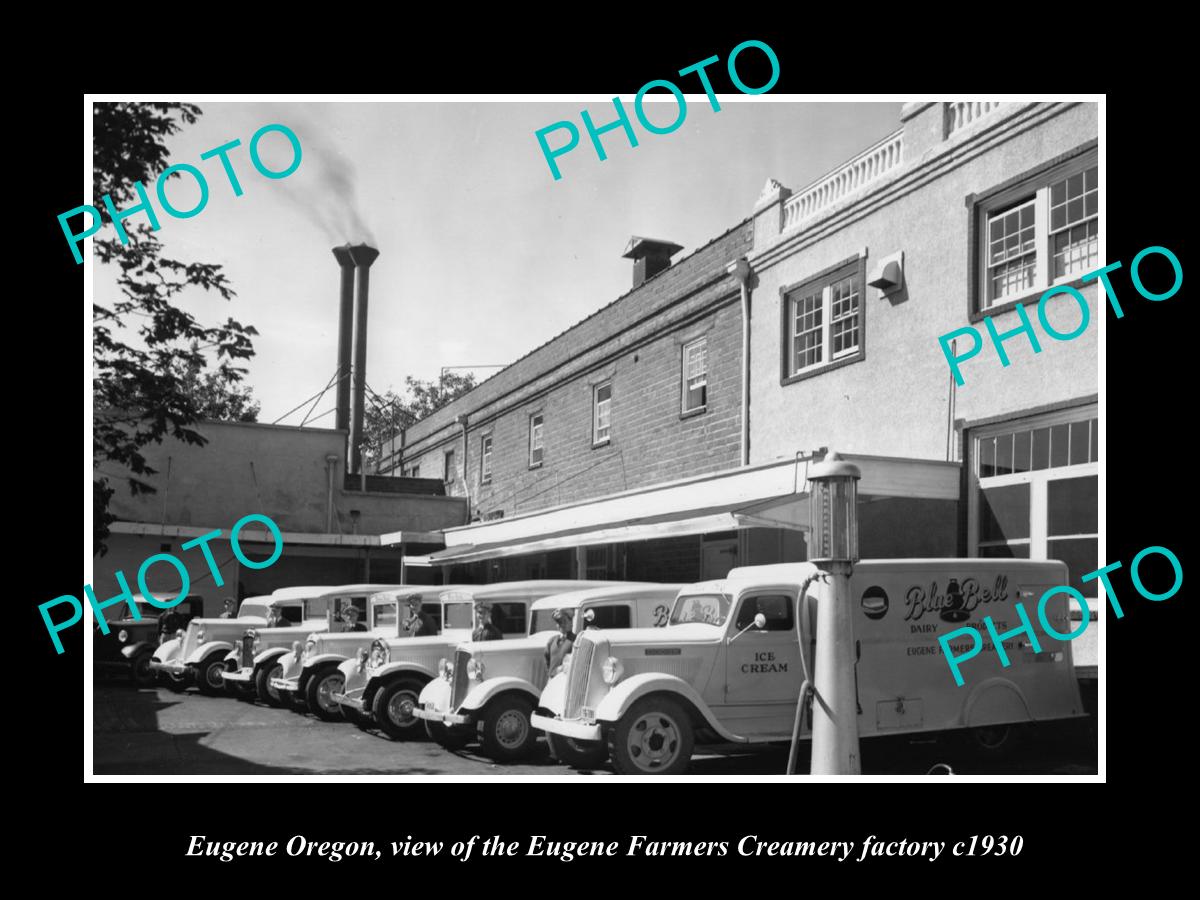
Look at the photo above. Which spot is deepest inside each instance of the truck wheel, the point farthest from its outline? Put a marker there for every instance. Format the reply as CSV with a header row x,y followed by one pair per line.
x,y
577,754
994,742
208,674
393,708
450,740
140,672
507,733
653,738
361,722
262,683
177,685
319,691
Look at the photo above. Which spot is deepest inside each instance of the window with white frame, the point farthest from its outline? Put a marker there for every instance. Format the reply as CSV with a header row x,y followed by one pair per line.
x,y
695,376
1035,491
1040,233
485,459
602,413
823,321
448,467
535,440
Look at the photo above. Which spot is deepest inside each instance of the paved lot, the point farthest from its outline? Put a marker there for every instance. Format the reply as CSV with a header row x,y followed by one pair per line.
x,y
157,732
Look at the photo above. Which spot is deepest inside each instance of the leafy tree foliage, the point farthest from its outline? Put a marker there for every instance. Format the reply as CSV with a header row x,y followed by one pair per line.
x,y
148,352
387,414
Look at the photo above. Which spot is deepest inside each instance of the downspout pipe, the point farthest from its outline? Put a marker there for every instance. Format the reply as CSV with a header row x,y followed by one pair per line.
x,y
331,470
740,269
462,420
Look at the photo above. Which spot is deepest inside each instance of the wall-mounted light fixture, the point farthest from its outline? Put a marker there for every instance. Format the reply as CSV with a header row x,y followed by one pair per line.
x,y
888,274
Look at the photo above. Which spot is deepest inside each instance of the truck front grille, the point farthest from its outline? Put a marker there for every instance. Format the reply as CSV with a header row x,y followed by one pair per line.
x,y
577,680
246,654
459,692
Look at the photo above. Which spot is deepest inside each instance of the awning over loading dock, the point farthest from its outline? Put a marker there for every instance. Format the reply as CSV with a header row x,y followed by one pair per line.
x,y
768,496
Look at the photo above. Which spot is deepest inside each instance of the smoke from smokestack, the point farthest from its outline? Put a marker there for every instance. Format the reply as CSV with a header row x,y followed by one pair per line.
x,y
329,198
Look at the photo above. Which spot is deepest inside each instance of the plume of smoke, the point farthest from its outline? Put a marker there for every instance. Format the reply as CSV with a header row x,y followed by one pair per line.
x,y
333,206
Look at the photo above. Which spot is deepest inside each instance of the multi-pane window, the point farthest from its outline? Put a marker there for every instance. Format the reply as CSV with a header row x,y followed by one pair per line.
x,y
602,413
1012,251
824,321
695,375
448,467
1036,494
1073,203
1041,233
485,459
535,439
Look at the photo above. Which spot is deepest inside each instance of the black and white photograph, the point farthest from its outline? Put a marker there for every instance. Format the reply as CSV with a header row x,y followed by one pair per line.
x,y
694,434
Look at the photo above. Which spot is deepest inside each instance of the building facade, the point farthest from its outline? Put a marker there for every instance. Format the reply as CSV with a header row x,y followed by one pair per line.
x,y
982,207
331,522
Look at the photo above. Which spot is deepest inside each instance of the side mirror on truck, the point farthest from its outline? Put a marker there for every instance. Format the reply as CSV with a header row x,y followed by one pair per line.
x,y
760,622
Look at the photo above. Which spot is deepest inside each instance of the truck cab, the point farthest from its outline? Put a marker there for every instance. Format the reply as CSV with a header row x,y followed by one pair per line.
x,y
384,683
731,664
292,614
489,689
310,671
129,646
200,644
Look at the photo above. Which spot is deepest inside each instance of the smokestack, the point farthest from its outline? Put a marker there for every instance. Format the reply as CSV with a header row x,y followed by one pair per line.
x,y
363,256
345,336
649,257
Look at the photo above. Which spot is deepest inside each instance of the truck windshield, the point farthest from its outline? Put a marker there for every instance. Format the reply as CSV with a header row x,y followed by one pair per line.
x,y
543,620
385,615
457,615
711,609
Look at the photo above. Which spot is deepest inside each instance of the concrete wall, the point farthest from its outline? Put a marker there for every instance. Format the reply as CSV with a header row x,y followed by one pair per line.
x,y
276,470
636,343
895,401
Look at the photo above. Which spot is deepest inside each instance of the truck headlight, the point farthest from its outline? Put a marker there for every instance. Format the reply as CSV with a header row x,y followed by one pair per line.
x,y
362,658
612,670
200,634
122,635
310,649
475,669
445,668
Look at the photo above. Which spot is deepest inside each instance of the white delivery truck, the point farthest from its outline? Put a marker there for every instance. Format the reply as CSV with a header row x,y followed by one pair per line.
x,y
729,666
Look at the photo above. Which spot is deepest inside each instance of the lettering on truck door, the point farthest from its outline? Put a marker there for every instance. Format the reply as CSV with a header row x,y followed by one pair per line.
x,y
763,666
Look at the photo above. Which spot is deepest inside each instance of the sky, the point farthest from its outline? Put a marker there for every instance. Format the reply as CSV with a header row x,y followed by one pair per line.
x,y
483,254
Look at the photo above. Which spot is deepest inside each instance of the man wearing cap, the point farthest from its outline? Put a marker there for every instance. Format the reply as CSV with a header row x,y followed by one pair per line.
x,y
230,609
350,618
560,644
485,628
419,623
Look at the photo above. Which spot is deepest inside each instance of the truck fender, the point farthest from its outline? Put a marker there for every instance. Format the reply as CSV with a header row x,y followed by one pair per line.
x,y
553,697
484,693
129,651
436,692
269,655
168,650
201,652
995,701
324,659
627,692
395,670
